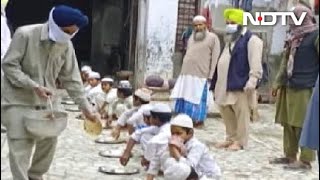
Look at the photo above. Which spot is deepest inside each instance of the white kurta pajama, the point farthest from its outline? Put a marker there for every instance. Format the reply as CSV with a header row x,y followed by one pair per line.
x,y
191,89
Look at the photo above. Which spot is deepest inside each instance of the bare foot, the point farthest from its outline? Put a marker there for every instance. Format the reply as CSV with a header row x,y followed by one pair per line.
x,y
298,165
223,144
235,147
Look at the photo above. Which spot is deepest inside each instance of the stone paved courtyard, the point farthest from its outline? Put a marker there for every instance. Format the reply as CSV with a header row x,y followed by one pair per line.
x,y
77,155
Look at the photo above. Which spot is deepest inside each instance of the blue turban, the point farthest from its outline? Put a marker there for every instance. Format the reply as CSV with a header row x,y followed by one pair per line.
x,y
67,16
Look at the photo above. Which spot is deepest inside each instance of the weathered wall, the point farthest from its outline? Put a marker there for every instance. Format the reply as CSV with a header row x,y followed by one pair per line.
x,y
162,24
157,25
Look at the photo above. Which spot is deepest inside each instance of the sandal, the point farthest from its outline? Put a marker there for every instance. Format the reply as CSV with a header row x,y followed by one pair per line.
x,y
298,165
282,160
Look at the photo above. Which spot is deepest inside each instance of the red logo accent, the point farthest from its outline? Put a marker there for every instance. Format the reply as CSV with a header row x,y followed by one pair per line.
x,y
259,18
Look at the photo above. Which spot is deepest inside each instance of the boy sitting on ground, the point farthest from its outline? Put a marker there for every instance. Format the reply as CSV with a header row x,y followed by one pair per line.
x,y
133,118
94,82
103,100
187,154
122,103
160,117
141,136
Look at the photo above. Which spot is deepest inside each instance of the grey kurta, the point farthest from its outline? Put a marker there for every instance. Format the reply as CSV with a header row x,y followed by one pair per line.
x,y
33,60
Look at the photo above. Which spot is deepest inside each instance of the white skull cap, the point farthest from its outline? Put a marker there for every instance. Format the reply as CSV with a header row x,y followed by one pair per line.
x,y
146,109
182,120
86,68
94,75
143,93
199,18
106,79
124,85
161,108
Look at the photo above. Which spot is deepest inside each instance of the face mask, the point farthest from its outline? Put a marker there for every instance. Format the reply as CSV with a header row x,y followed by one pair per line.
x,y
55,32
231,28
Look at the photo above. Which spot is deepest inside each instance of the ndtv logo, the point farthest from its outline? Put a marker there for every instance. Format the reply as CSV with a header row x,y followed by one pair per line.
x,y
260,18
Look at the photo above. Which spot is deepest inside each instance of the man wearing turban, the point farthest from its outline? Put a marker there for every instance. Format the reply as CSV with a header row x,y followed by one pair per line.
x,y
37,56
5,38
293,87
235,80
191,89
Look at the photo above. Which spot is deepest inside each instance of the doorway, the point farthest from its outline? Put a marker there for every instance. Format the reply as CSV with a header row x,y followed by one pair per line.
x,y
107,43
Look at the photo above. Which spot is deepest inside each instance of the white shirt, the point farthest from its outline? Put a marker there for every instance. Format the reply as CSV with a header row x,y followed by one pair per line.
x,y
94,92
123,119
200,159
102,98
153,130
156,147
125,103
137,119
5,37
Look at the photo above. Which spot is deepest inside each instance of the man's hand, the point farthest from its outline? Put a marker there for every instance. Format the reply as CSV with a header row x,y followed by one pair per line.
x,y
144,162
43,92
91,116
250,85
174,152
124,159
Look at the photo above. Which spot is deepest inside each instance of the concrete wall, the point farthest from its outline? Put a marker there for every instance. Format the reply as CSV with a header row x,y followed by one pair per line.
x,y
162,25
155,39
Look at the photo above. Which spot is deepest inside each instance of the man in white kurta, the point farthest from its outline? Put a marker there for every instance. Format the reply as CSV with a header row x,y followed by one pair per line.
x,y
191,89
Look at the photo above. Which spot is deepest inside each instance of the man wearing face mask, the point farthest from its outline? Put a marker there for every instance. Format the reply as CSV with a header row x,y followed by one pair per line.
x,y
293,87
5,38
235,80
37,56
191,89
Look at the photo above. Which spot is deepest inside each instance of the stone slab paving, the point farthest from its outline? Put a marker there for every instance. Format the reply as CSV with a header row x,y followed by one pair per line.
x,y
77,155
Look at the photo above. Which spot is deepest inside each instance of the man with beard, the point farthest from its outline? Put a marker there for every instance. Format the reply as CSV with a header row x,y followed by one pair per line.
x,y
191,89
235,79
294,84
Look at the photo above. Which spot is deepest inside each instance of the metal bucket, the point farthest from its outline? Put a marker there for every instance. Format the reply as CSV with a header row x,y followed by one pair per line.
x,y
41,124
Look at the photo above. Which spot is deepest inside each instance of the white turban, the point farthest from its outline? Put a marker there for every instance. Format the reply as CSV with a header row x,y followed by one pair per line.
x,y
176,170
94,75
144,94
199,18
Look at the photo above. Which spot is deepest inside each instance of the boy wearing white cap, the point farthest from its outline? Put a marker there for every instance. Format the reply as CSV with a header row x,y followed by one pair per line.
x,y
106,97
141,136
157,145
185,149
85,70
94,81
123,102
133,118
